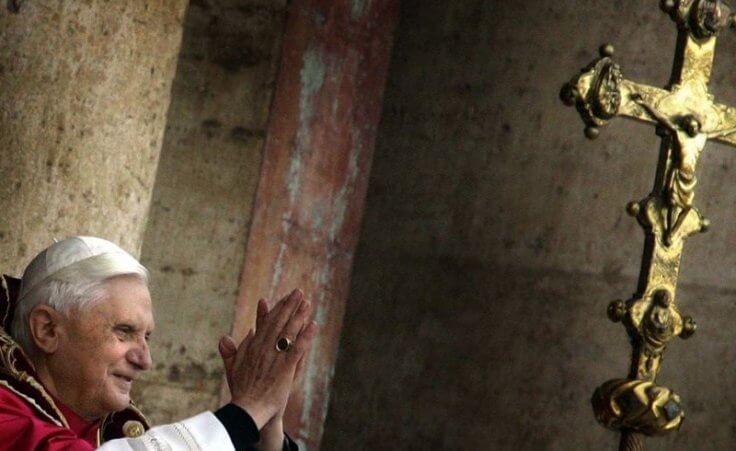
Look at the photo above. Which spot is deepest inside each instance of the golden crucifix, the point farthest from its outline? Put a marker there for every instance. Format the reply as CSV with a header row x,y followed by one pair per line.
x,y
686,117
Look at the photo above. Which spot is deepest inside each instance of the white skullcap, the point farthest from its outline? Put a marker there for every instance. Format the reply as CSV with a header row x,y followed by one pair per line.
x,y
62,255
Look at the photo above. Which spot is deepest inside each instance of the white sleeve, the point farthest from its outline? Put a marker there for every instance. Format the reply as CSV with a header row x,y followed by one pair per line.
x,y
203,432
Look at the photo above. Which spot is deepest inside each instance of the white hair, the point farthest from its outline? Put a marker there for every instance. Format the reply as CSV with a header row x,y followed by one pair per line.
x,y
78,286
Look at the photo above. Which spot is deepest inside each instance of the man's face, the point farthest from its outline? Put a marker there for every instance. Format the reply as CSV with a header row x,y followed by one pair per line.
x,y
103,349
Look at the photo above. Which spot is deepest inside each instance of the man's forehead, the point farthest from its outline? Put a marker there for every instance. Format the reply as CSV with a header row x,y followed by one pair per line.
x,y
125,301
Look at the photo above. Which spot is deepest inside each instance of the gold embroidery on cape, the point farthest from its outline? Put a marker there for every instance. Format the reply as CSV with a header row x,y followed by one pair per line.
x,y
6,314
8,365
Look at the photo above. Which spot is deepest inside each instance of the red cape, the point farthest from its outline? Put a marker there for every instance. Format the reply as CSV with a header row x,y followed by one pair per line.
x,y
22,429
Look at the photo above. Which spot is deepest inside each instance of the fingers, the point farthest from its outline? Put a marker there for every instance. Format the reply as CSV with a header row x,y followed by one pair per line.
x,y
274,325
272,312
298,321
242,349
287,318
299,366
301,346
305,347
264,314
260,345
261,313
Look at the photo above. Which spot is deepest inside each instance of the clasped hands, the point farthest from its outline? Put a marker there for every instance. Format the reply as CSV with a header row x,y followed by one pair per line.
x,y
261,370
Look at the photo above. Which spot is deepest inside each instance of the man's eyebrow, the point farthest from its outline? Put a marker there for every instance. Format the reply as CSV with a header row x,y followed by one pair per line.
x,y
131,325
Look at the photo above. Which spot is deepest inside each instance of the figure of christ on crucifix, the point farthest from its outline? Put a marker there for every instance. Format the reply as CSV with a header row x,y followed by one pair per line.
x,y
689,141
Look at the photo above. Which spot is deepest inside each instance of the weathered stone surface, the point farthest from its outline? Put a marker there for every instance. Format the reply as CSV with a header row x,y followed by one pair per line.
x,y
84,90
195,240
490,219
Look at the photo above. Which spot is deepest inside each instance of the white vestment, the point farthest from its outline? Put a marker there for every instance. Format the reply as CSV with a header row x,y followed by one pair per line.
x,y
201,432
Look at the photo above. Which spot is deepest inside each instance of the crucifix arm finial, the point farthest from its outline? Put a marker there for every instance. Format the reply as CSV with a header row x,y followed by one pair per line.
x,y
596,92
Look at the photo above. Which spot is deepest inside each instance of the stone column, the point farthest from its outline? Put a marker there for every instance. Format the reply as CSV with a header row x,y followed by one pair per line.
x,y
84,90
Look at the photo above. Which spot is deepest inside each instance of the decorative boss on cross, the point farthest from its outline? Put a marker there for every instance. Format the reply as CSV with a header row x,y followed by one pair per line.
x,y
686,117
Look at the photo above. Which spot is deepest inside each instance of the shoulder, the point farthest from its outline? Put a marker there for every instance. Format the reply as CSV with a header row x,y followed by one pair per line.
x,y
15,404
24,428
15,409
11,400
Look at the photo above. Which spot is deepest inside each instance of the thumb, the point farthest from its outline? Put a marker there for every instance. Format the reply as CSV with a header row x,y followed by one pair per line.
x,y
227,349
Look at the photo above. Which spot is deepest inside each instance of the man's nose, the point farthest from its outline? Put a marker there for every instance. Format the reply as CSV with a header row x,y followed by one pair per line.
x,y
140,356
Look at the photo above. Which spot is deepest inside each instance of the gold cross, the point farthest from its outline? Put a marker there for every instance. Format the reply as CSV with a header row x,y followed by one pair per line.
x,y
686,117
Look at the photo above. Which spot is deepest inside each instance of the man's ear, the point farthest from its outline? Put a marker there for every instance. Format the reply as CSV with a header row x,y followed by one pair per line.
x,y
44,328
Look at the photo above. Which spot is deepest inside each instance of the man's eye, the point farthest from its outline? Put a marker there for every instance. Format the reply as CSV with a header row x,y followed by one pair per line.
x,y
124,329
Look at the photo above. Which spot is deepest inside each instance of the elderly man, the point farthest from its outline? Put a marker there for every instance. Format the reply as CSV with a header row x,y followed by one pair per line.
x,y
78,338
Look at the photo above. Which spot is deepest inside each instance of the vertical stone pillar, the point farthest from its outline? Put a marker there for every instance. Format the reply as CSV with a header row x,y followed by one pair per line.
x,y
194,244
316,162
84,90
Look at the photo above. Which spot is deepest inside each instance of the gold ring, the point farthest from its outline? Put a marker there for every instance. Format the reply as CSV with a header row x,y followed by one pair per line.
x,y
284,344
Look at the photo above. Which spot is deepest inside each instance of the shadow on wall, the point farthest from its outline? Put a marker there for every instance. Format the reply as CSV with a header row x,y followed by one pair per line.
x,y
495,235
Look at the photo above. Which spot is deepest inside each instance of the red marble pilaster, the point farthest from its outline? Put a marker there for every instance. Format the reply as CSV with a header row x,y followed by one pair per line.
x,y
313,181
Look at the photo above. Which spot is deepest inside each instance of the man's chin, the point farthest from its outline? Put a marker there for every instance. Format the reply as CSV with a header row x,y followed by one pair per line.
x,y
119,396
117,404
